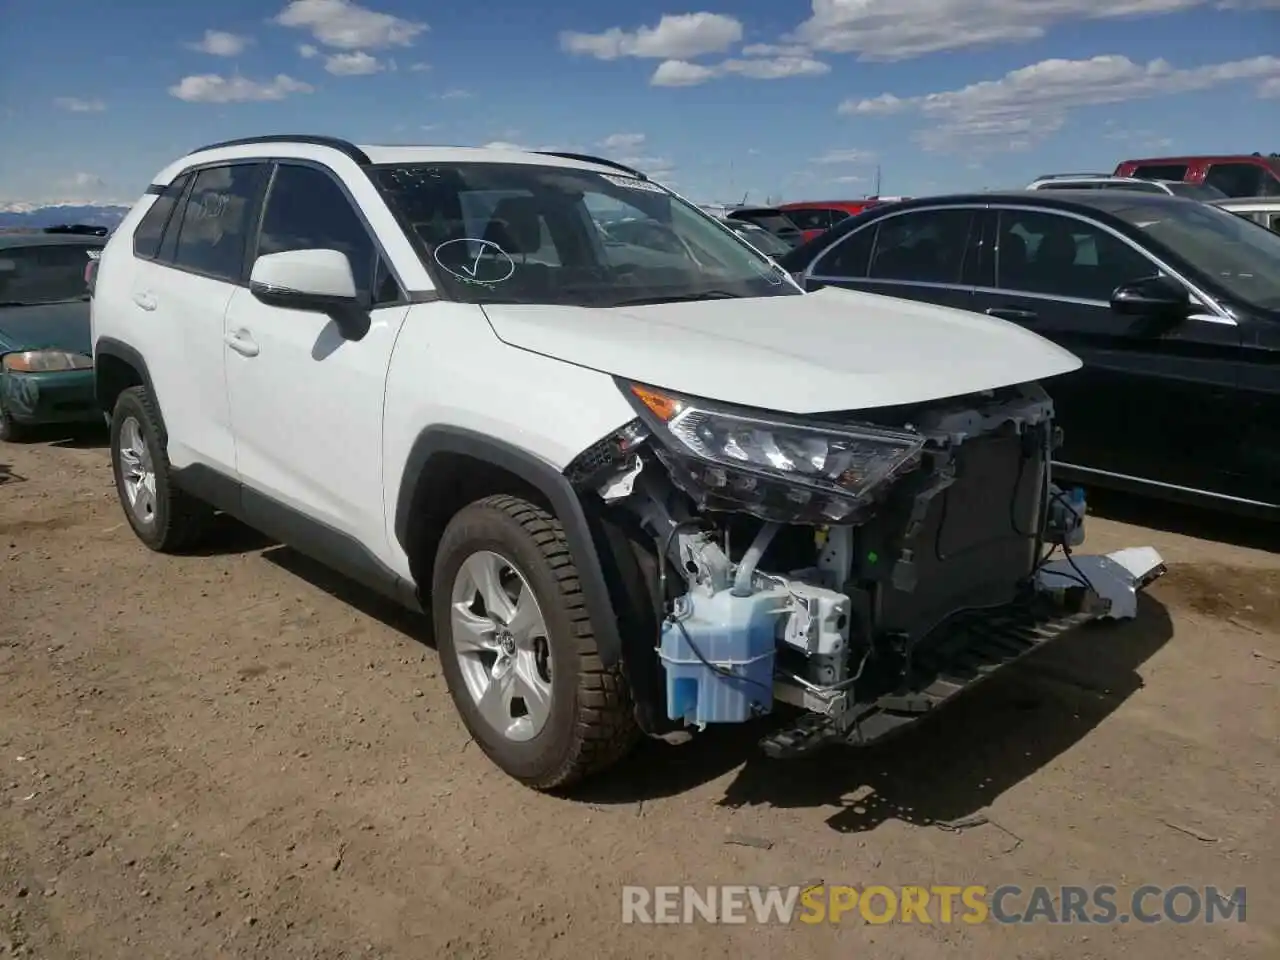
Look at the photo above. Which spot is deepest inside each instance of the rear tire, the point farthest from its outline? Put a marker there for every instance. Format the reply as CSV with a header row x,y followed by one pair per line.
x,y
165,518
577,713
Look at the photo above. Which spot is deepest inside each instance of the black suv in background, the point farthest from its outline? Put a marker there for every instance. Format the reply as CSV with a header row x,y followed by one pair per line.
x,y
1172,304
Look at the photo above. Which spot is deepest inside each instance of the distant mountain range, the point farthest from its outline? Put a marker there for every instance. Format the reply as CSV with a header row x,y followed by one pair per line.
x,y
33,216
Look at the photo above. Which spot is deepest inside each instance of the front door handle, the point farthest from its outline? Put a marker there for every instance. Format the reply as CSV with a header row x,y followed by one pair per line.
x,y
145,300
242,343
1016,314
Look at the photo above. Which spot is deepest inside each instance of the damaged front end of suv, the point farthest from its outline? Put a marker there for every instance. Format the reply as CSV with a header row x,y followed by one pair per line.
x,y
852,570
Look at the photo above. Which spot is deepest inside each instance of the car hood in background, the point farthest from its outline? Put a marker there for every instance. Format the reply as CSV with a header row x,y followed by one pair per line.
x,y
825,351
61,326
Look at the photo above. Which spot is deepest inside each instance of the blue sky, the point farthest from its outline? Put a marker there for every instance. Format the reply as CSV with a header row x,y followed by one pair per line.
x,y
796,100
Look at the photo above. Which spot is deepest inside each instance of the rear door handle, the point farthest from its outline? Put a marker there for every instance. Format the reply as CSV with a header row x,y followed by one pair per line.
x,y
242,343
145,300
1016,314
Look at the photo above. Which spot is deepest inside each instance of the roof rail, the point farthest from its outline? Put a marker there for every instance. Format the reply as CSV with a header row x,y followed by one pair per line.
x,y
1072,176
586,158
334,143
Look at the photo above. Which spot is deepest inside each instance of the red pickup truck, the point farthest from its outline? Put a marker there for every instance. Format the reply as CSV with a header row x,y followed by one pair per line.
x,y
1236,175
815,217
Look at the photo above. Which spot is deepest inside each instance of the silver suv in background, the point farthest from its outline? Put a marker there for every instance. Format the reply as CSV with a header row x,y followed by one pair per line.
x,y
1262,210
1103,181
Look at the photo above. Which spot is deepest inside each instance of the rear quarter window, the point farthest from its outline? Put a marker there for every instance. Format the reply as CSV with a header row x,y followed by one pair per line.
x,y
150,229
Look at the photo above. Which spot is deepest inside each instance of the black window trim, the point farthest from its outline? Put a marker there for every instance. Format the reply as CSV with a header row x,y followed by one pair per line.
x,y
402,298
975,209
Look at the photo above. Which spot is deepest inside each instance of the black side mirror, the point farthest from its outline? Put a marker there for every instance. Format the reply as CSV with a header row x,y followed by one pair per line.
x,y
1152,297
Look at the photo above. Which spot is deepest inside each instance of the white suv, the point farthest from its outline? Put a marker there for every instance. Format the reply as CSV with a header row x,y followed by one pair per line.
x,y
1089,181
637,483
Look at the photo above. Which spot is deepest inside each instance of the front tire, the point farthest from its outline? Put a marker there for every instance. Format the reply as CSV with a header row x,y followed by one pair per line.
x,y
11,431
517,649
165,518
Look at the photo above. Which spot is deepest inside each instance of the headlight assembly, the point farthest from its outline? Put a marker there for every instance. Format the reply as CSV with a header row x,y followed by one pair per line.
x,y
46,361
774,466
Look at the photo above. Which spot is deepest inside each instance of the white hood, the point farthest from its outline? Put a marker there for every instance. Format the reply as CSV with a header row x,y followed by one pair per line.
x,y
830,350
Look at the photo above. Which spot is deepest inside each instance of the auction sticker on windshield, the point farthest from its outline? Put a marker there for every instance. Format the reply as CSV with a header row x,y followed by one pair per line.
x,y
631,183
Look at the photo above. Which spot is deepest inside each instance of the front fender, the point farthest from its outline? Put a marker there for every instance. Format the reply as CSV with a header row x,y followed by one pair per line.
x,y
440,441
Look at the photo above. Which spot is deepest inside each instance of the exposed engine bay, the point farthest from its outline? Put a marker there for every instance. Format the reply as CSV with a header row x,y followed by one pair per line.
x,y
860,568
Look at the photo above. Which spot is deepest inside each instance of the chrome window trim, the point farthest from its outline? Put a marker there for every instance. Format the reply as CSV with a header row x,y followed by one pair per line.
x,y
1220,315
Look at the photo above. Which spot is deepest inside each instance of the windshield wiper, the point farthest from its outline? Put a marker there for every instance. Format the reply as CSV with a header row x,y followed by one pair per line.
x,y
676,298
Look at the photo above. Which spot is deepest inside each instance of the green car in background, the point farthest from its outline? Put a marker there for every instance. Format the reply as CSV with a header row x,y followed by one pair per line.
x,y
46,355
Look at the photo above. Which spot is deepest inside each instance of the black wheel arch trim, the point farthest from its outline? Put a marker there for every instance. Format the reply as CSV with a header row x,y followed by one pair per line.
x,y
568,509
111,347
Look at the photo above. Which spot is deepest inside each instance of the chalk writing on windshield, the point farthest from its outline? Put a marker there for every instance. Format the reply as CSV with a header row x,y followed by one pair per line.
x,y
474,261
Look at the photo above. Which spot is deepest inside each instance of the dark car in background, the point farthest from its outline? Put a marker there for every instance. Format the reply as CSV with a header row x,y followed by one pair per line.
x,y
1172,304
760,238
771,219
46,354
816,217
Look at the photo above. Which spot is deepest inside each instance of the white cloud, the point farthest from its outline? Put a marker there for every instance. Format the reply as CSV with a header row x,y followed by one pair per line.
x,y
1270,89
77,105
349,26
419,67
212,88
846,156
774,68
505,145
849,179
220,43
775,50
622,141
356,64
675,37
307,51
898,29
682,73
457,93
86,181
1026,105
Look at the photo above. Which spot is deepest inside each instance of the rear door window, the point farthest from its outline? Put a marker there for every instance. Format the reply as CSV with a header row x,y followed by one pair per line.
x,y
924,247
217,220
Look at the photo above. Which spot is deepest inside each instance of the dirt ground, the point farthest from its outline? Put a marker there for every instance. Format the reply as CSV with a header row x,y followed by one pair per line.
x,y
236,755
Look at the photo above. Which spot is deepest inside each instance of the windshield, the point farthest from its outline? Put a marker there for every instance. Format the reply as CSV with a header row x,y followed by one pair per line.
x,y
536,234
1195,191
52,273
1242,256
